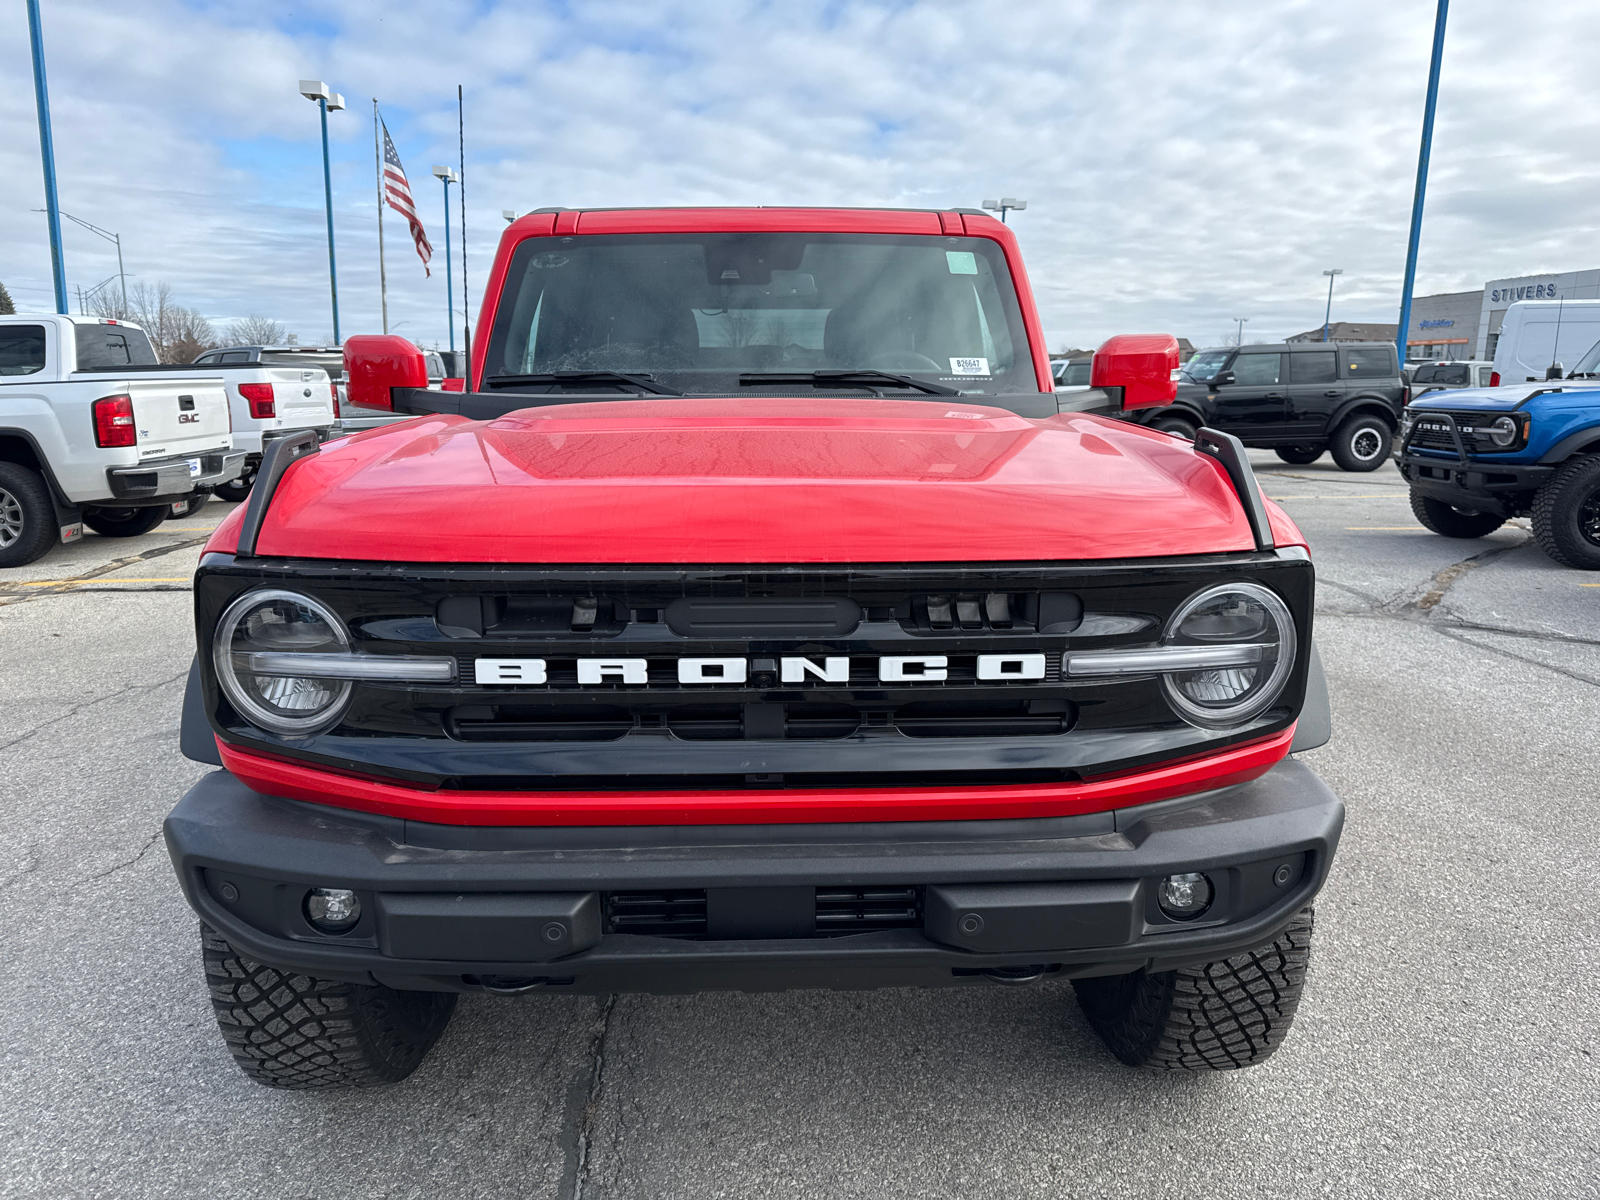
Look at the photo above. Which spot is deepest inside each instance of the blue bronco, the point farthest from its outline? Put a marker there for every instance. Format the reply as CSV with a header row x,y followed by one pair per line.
x,y
1476,458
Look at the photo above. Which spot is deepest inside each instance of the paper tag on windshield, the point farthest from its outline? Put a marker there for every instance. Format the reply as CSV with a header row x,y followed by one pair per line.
x,y
962,262
969,366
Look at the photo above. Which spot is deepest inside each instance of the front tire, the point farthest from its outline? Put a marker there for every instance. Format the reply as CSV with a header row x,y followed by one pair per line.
x,y
1362,443
27,517
124,522
1451,522
1222,1016
1299,455
295,1032
1566,514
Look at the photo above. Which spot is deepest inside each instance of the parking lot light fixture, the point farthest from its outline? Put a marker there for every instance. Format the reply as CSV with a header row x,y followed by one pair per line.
x,y
315,89
1329,313
447,176
1239,340
1004,205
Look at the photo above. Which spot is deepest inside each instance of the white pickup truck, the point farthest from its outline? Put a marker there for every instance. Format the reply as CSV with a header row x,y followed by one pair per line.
x,y
94,432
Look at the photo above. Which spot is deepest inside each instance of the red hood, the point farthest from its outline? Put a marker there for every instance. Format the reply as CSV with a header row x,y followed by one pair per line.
x,y
754,480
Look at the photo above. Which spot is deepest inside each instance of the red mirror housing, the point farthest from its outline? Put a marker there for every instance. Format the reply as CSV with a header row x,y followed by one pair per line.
x,y
1143,365
375,363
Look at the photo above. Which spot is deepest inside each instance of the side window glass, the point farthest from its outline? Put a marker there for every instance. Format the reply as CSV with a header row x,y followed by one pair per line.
x,y
1483,376
1256,368
1368,364
234,356
1316,367
21,349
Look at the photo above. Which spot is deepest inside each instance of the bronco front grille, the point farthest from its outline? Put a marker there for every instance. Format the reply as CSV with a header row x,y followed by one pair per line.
x,y
1432,432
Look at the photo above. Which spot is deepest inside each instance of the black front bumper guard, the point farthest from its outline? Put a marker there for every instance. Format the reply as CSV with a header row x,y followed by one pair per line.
x,y
465,908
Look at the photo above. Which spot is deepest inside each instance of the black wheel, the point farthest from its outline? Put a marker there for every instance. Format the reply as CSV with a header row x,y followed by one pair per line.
x,y
1219,1017
1176,426
27,517
1448,521
1362,443
292,1031
1566,514
1299,455
125,522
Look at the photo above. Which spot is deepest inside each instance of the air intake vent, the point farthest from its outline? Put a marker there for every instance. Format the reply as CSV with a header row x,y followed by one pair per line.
x,y
657,914
867,910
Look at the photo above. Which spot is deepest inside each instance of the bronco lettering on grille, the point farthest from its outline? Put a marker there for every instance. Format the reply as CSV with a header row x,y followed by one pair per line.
x,y
891,669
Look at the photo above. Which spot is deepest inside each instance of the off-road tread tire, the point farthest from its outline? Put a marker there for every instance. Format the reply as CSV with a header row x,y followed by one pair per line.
x,y
296,1032
1339,443
1300,456
1222,1016
1441,518
145,520
1552,526
39,528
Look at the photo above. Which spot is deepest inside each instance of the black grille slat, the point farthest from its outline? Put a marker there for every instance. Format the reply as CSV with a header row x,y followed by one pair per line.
x,y
679,913
868,910
1425,437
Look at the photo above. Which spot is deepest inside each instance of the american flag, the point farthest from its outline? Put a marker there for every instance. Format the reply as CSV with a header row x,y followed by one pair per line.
x,y
398,192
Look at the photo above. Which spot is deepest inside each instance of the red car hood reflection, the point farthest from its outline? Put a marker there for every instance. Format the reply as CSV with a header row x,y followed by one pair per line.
x,y
753,480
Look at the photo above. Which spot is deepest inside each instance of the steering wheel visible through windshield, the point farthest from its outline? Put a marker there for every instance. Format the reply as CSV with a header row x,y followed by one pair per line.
x,y
752,312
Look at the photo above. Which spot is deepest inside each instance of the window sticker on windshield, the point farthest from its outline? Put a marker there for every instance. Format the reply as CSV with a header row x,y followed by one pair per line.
x,y
969,366
962,262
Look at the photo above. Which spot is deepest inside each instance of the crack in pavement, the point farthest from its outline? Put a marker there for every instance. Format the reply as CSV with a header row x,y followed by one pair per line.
x,y
576,1178
1446,579
20,593
80,707
143,850
1576,676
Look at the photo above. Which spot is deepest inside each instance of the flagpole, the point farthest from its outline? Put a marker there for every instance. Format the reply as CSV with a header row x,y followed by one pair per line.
x,y
461,195
383,277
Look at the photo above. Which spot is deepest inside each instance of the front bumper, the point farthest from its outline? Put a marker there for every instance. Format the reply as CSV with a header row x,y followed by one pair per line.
x,y
164,480
1480,484
454,908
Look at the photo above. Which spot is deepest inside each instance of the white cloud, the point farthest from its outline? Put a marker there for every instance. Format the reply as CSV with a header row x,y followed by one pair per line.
x,y
1184,163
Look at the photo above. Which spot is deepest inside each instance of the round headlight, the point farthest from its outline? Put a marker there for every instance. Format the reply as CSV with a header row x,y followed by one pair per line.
x,y
271,620
1502,431
1230,615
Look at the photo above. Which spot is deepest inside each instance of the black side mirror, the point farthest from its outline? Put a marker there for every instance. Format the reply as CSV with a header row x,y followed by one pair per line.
x,y
1222,377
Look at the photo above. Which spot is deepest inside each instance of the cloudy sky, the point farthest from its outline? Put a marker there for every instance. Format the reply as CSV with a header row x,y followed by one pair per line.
x,y
1185,162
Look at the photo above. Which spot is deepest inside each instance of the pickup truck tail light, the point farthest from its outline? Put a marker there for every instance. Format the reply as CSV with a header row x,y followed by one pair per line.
x,y
113,421
1494,378
262,402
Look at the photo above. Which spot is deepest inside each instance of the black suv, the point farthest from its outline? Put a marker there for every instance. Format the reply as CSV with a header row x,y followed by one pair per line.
x,y
1298,398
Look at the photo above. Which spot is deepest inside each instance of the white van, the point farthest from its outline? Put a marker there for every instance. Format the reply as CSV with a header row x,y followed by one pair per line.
x,y
1528,338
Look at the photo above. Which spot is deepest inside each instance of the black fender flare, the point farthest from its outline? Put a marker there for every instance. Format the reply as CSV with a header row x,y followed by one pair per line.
x,y
1315,727
1584,441
1376,405
195,739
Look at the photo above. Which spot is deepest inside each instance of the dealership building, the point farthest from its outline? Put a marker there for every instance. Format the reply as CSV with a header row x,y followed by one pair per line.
x,y
1467,324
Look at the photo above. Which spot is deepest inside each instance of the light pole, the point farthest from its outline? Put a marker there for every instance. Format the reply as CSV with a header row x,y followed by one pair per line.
x,y
1239,341
447,176
110,237
1329,313
1432,102
315,89
47,152
1004,205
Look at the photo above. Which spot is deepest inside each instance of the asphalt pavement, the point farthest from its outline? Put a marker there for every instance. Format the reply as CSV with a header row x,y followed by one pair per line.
x,y
1446,1046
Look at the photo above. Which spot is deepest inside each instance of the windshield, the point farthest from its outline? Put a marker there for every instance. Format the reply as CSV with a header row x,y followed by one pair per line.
x,y
1449,374
712,313
1203,367
1589,365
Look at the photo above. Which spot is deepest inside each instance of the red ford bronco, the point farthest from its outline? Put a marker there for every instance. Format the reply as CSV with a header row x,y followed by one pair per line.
x,y
755,616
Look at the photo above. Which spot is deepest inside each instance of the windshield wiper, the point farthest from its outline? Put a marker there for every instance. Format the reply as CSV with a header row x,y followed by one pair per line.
x,y
641,382
865,379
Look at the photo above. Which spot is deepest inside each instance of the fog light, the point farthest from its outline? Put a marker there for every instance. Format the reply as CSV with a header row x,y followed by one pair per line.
x,y
1184,897
334,910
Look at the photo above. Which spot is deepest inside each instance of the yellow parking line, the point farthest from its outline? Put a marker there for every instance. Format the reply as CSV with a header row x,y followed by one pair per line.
x,y
103,579
1589,585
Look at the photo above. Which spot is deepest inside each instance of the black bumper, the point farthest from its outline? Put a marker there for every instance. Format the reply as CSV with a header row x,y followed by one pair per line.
x,y
454,908
164,480
1482,485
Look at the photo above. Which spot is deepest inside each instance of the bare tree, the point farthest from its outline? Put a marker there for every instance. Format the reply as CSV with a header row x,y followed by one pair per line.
x,y
177,333
256,330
